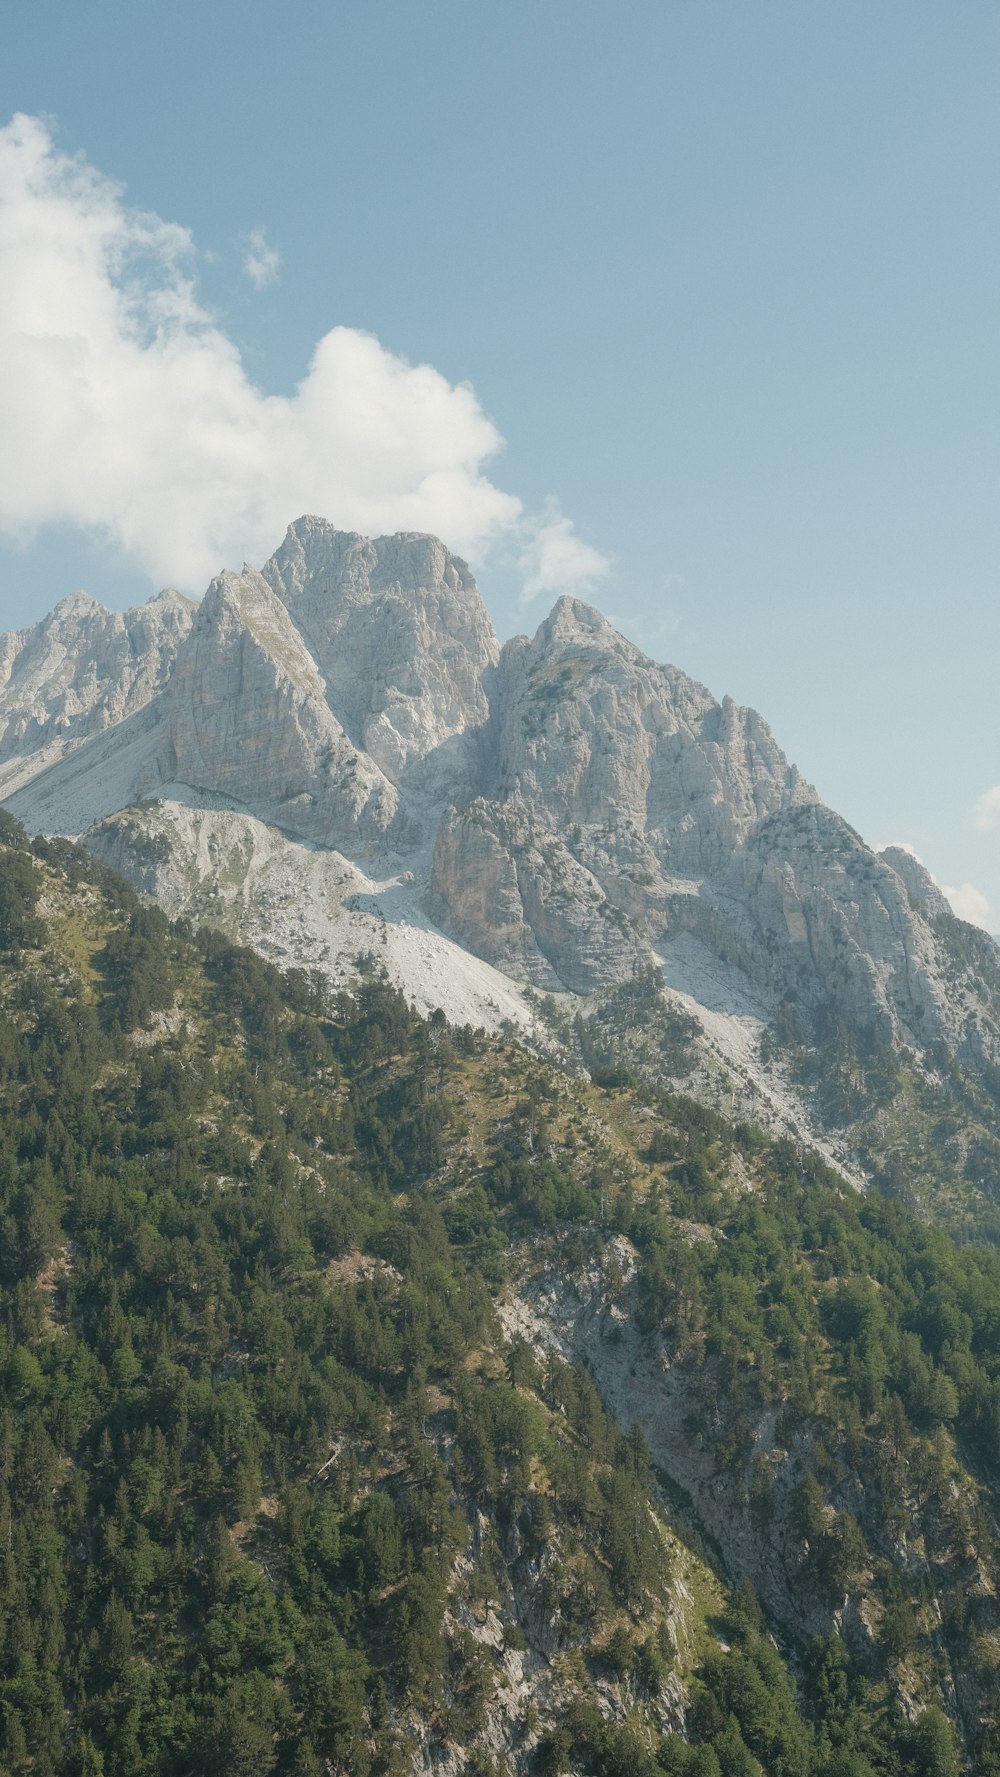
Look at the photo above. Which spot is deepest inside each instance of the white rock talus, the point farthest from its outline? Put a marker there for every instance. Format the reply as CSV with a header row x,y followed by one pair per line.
x,y
302,906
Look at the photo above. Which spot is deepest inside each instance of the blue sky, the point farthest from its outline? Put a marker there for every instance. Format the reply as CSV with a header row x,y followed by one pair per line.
x,y
723,280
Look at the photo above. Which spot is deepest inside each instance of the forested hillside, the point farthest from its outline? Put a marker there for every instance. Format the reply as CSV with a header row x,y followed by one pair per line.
x,y
298,1472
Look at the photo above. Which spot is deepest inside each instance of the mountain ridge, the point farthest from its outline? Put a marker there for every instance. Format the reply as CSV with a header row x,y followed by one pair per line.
x,y
562,808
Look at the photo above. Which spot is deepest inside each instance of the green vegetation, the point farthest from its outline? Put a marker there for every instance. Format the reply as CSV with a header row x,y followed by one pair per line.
x,y
278,1494
252,1413
926,1129
630,1033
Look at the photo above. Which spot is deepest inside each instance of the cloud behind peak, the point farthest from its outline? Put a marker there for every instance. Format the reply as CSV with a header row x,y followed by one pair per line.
x,y
128,410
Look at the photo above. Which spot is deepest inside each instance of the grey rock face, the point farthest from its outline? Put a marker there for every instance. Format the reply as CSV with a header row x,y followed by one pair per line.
x,y
247,717
80,671
565,804
588,728
402,639
632,777
806,907
339,692
919,883
505,885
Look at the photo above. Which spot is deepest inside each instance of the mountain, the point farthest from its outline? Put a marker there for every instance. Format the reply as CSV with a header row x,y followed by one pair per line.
x,y
334,755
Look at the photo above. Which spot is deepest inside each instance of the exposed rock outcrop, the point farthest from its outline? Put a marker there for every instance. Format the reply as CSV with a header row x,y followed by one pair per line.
x,y
588,729
805,906
247,717
510,889
565,807
403,640
920,885
80,671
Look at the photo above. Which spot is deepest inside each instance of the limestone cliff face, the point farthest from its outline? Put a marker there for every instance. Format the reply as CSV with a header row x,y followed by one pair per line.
x,y
631,776
566,807
340,691
805,907
589,729
401,636
80,671
922,890
247,717
505,884
626,806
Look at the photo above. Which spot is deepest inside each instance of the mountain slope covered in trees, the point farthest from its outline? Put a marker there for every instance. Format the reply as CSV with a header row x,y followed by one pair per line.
x,y
314,1320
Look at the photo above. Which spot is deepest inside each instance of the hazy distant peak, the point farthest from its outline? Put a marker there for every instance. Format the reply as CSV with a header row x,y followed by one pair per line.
x,y
169,599
317,562
572,619
75,603
79,606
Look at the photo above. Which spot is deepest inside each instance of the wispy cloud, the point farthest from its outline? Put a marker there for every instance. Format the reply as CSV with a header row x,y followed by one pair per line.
x,y
127,409
261,261
986,810
969,903
555,559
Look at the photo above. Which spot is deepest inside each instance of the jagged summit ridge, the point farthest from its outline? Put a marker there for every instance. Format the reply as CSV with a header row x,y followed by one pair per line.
x,y
563,807
246,716
79,671
589,727
403,640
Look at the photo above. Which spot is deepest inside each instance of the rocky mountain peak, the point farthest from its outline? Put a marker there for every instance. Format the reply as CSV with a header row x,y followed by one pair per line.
x,y
247,716
613,781
73,605
79,671
241,609
586,724
319,565
572,621
170,599
566,809
399,631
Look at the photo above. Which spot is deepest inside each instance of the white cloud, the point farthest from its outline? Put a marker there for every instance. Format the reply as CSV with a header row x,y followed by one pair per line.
x,y
969,903
555,559
260,260
986,810
127,410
